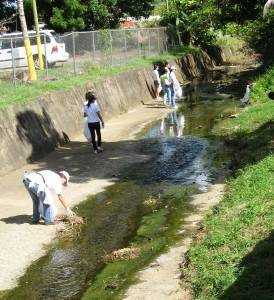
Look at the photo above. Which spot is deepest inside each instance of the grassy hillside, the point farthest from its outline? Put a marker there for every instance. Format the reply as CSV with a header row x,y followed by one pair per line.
x,y
233,256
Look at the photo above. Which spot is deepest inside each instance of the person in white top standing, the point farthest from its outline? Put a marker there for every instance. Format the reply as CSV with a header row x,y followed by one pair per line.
x,y
92,112
40,186
174,81
156,80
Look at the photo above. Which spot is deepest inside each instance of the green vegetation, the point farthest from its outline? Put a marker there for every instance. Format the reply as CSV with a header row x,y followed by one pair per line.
x,y
69,15
157,231
198,22
233,256
150,214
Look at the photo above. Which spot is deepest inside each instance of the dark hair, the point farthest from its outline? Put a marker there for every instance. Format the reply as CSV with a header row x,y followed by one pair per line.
x,y
90,98
271,95
155,67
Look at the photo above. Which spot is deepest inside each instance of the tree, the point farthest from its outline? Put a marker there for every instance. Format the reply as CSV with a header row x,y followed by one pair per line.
x,y
102,14
68,15
31,68
192,19
136,8
7,9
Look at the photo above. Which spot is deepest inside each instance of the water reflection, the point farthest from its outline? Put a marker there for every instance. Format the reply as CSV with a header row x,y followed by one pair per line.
x,y
173,124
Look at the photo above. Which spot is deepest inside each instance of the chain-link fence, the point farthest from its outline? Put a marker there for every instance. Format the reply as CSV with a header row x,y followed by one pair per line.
x,y
77,53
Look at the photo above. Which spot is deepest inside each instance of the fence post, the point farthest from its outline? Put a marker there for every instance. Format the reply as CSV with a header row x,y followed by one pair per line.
x,y
110,44
93,45
138,41
125,45
46,55
13,65
166,39
158,36
149,46
74,51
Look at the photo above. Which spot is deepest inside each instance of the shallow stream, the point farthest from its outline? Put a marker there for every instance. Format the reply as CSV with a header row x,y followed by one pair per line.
x,y
181,151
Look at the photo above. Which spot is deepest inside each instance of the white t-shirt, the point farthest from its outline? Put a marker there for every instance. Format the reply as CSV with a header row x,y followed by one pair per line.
x,y
155,75
91,113
52,180
172,78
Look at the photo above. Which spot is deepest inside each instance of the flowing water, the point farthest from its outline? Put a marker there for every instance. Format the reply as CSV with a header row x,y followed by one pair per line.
x,y
181,152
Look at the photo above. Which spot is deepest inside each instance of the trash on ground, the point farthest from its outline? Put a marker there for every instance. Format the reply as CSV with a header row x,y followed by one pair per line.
x,y
122,254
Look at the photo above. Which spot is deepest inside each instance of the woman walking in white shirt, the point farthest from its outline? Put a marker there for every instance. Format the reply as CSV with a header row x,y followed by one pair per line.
x,y
156,80
92,112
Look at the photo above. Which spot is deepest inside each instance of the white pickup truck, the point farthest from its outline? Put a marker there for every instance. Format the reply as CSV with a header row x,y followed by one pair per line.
x,y
14,55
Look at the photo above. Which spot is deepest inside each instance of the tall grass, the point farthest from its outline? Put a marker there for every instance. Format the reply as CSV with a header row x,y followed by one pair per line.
x,y
233,256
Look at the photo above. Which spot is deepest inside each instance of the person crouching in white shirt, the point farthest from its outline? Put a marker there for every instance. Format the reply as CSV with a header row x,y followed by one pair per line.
x,y
92,112
40,186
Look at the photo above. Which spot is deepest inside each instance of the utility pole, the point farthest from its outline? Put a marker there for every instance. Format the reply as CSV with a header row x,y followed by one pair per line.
x,y
38,39
31,68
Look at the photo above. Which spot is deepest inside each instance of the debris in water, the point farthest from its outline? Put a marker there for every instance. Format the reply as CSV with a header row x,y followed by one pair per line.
x,y
234,116
122,254
111,286
72,220
68,232
150,202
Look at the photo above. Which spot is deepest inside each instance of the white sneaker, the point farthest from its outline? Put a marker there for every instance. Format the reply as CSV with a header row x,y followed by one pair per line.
x,y
95,151
100,149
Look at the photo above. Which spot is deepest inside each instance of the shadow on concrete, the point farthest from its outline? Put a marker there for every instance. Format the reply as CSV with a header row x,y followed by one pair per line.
x,y
39,131
83,165
156,105
150,88
20,219
256,281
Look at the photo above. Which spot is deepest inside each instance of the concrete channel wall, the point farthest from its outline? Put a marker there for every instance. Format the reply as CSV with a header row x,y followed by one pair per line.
x,y
27,132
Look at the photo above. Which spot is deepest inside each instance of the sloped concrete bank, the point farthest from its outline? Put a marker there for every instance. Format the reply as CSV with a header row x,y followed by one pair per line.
x,y
27,132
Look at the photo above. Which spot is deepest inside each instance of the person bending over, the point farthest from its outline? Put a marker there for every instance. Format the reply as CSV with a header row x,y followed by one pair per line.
x,y
40,186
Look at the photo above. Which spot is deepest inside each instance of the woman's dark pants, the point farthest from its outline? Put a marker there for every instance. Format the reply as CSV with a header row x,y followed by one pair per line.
x,y
95,127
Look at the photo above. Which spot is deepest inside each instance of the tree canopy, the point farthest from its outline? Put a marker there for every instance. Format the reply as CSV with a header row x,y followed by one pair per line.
x,y
7,8
198,21
67,15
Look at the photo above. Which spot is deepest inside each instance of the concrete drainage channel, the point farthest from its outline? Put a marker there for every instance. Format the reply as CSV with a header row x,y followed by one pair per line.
x,y
182,160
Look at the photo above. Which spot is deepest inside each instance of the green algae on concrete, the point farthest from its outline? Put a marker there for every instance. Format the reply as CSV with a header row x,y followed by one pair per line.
x,y
157,231
114,219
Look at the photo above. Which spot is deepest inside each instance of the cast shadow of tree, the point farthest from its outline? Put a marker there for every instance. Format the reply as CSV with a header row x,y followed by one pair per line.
x,y
252,147
39,132
151,90
75,157
257,280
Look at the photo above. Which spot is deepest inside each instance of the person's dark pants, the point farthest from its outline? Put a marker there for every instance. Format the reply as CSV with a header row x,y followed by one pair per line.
x,y
95,127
